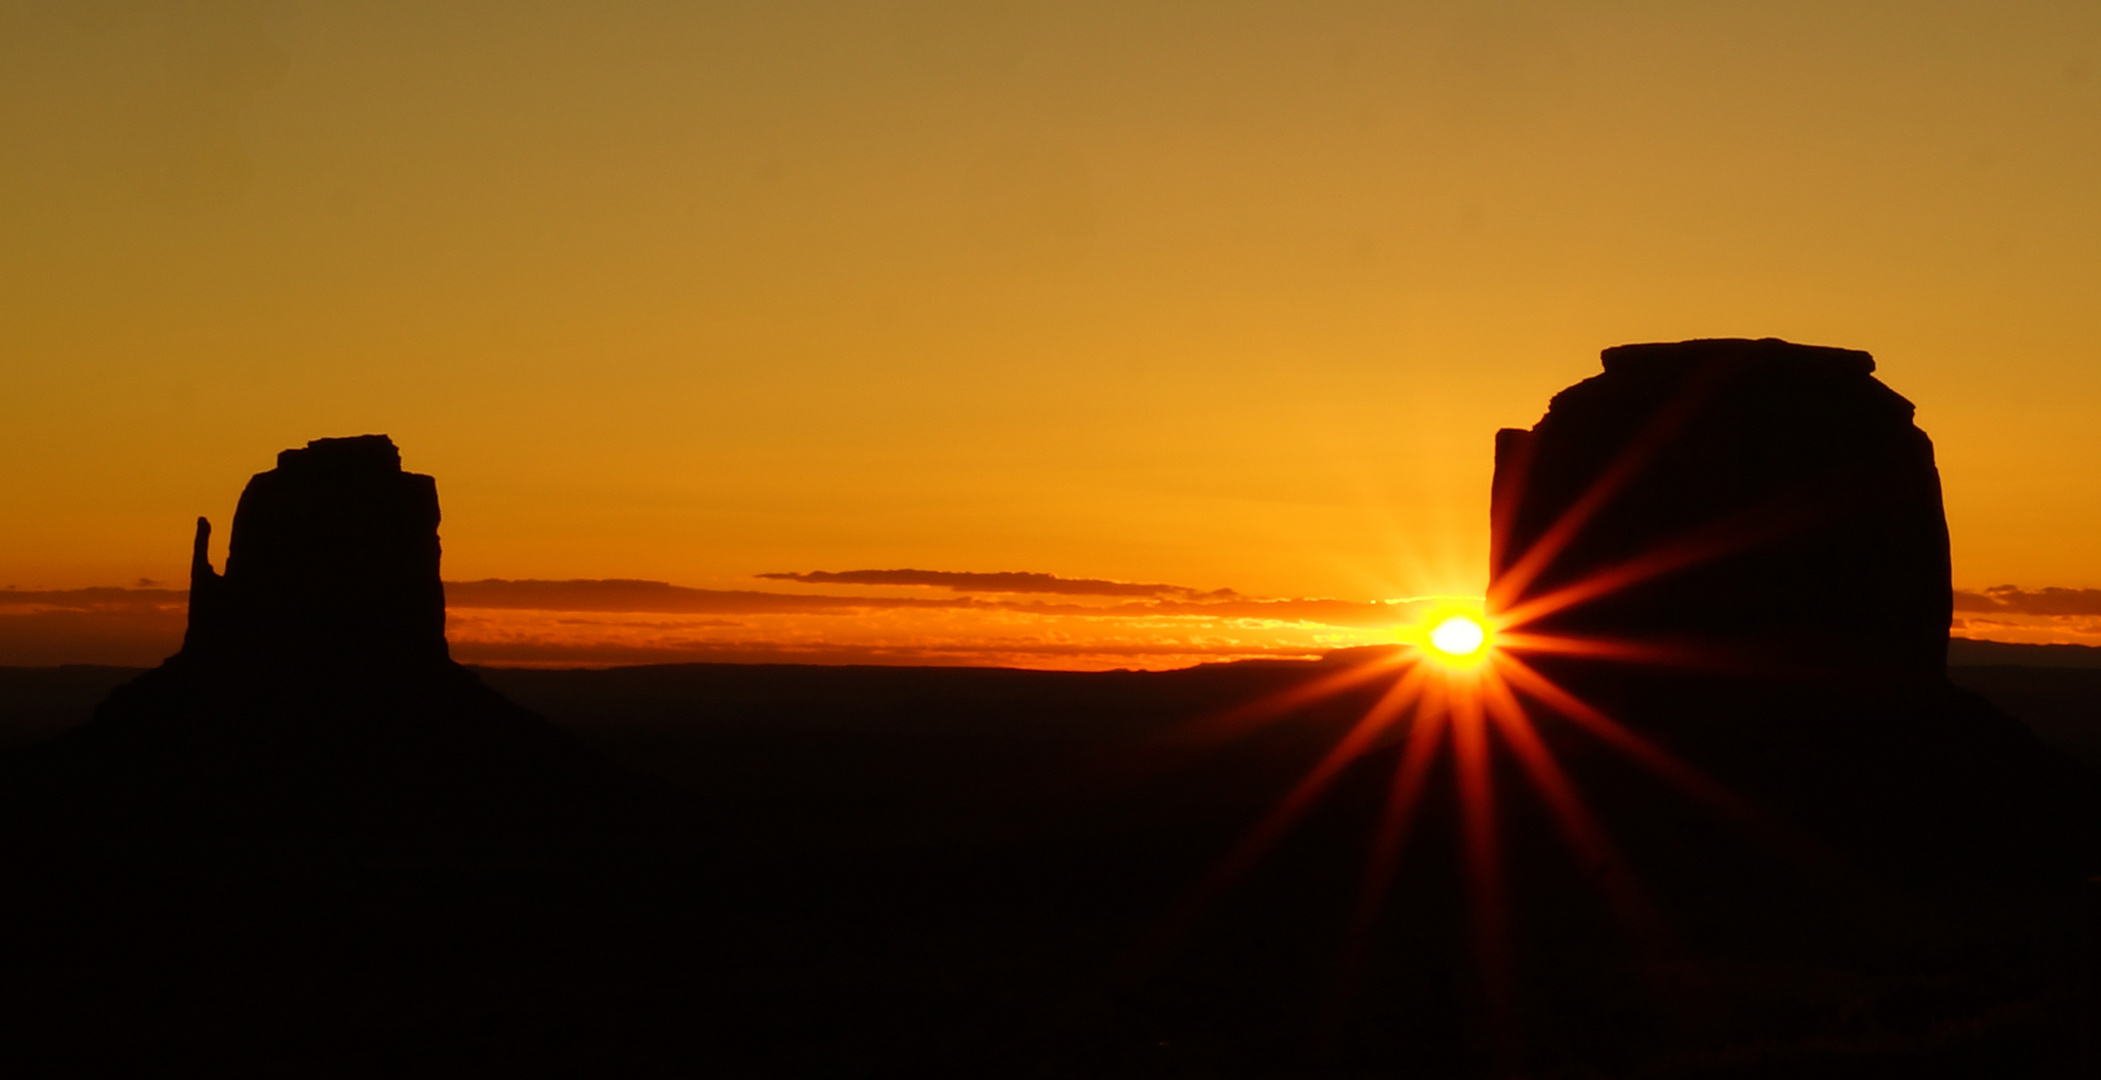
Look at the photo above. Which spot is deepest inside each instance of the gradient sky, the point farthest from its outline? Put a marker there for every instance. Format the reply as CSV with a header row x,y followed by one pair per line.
x,y
1215,294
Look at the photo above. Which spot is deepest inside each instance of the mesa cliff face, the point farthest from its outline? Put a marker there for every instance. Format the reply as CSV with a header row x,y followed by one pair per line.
x,y
1796,501
1767,518
334,553
314,707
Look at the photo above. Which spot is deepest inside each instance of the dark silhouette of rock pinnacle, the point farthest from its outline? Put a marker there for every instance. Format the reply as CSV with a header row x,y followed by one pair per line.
x,y
1766,518
1799,502
334,555
314,706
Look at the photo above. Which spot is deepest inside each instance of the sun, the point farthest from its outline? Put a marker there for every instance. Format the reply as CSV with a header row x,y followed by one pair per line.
x,y
1455,636
1459,636
1459,695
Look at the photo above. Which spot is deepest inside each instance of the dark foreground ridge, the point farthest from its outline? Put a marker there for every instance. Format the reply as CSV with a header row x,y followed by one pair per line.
x,y
310,844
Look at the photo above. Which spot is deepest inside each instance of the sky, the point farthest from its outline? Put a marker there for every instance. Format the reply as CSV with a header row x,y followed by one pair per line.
x,y
1221,296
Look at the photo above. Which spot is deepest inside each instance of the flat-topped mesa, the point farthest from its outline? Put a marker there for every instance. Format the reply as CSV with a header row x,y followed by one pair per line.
x,y
314,714
1778,498
334,553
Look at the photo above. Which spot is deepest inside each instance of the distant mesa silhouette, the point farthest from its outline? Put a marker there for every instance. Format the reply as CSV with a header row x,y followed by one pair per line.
x,y
1793,483
314,705
1764,520
334,555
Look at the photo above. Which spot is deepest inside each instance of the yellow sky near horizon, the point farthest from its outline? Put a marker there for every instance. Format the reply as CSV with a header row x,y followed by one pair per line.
x,y
1224,295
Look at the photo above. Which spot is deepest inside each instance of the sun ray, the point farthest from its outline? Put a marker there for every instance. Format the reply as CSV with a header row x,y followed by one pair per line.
x,y
1703,657
1295,803
1260,839
1483,862
1599,649
1396,820
1473,704
1468,689
1236,722
1728,537
1656,759
1409,778
1512,582
1600,856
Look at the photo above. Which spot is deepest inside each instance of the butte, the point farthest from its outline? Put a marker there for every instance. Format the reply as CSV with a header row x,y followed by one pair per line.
x,y
314,715
1757,527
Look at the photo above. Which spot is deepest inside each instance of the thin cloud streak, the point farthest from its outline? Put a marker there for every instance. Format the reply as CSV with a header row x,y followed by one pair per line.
x,y
1072,623
594,622
990,654
16,601
2012,600
657,597
2048,616
1006,581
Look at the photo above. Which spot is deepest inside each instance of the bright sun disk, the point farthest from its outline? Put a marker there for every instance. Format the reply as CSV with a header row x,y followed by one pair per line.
x,y
1459,635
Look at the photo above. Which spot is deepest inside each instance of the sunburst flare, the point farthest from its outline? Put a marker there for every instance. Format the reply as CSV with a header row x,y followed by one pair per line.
x,y
1461,692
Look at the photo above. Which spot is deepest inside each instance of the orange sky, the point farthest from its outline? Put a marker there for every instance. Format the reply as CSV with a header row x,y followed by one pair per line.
x,y
1213,294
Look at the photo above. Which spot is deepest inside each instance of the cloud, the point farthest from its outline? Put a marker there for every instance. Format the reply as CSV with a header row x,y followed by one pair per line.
x,y
1009,581
23,601
618,595
131,627
1019,619
2011,600
1086,655
654,597
556,623
657,597
1354,613
1026,620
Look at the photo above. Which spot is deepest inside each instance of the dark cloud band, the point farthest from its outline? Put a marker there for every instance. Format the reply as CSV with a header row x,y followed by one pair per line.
x,y
2010,600
1006,581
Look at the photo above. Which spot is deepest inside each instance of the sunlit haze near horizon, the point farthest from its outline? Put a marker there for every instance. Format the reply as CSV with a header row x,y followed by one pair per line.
x,y
1204,307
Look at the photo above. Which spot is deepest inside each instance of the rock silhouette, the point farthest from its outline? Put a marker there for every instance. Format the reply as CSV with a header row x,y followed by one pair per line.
x,y
313,710
311,844
1769,515
334,556
1795,481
